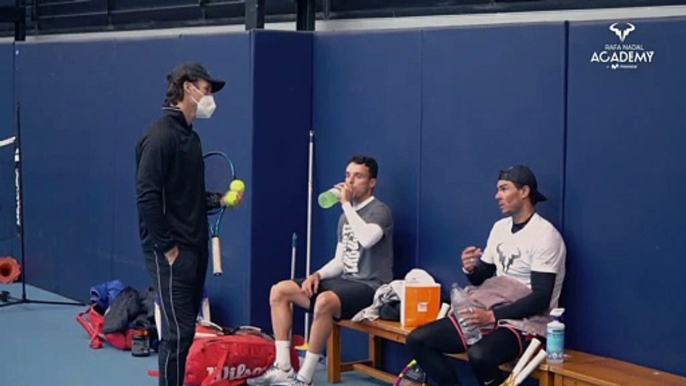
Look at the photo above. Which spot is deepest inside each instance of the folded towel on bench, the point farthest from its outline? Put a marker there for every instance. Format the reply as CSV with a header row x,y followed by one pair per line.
x,y
502,290
385,294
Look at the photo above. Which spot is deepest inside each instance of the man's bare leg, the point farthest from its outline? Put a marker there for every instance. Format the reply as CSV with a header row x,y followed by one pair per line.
x,y
327,307
282,295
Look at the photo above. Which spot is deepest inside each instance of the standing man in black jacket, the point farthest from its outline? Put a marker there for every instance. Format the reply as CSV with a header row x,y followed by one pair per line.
x,y
172,210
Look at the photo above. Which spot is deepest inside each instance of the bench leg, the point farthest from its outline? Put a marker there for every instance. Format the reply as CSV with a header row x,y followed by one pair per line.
x,y
546,379
375,352
559,381
333,356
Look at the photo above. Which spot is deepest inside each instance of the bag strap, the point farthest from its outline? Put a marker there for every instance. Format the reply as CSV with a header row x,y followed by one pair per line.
x,y
220,367
251,330
93,332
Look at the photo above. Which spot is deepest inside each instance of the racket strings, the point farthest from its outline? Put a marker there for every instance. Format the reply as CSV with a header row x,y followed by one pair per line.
x,y
410,382
218,174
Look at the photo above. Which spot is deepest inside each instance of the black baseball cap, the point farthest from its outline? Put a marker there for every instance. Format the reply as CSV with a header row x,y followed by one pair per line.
x,y
195,70
522,175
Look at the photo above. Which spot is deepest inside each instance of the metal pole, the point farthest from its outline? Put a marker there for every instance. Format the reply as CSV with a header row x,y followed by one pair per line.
x,y
254,14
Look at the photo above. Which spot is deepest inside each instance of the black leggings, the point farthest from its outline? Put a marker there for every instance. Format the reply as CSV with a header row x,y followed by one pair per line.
x,y
431,341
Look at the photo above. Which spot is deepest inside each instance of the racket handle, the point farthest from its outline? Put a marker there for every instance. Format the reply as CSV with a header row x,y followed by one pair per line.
x,y
533,365
216,256
509,381
533,346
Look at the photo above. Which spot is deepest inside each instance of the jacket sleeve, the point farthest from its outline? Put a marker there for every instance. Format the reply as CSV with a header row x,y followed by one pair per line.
x,y
482,272
155,153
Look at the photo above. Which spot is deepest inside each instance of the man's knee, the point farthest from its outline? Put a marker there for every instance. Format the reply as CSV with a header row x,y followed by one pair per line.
x,y
480,357
413,340
281,291
328,304
418,338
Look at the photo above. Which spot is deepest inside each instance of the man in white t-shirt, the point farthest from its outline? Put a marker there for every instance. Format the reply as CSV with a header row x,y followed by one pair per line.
x,y
523,246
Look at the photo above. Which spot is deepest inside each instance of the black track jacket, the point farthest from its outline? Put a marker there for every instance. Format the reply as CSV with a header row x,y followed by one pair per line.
x,y
170,185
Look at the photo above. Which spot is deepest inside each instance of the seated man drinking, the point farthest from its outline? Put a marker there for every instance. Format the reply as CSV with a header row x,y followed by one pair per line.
x,y
346,284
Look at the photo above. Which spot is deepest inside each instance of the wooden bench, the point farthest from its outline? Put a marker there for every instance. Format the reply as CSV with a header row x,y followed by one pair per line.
x,y
393,331
579,369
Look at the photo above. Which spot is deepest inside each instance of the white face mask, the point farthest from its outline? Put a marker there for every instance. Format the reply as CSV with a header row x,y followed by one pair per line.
x,y
206,105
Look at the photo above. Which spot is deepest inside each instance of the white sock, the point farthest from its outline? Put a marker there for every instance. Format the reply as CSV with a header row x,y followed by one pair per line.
x,y
283,354
309,365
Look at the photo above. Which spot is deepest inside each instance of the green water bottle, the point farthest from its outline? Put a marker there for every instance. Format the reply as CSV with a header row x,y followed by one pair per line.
x,y
329,198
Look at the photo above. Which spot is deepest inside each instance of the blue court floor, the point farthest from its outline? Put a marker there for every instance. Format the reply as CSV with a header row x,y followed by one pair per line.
x,y
44,345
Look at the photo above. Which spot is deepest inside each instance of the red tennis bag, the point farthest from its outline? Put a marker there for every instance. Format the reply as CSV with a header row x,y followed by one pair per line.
x,y
231,357
93,320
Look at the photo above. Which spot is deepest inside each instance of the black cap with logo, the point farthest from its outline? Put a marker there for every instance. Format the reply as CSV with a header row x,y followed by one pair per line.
x,y
195,70
522,175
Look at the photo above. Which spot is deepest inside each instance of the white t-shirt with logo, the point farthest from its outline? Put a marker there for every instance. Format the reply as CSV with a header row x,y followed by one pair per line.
x,y
537,247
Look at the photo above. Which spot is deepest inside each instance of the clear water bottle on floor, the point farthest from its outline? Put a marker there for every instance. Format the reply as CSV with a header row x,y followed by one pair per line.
x,y
459,301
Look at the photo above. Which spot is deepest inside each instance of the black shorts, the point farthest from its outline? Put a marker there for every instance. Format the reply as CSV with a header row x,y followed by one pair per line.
x,y
354,296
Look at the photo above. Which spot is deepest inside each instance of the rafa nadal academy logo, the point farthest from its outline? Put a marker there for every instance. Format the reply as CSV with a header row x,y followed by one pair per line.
x,y
625,55
622,33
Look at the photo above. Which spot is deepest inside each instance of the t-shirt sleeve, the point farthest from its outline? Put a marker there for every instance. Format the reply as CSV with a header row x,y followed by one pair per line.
x,y
549,254
381,216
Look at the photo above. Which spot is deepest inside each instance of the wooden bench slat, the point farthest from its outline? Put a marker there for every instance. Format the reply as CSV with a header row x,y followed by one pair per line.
x,y
376,373
607,371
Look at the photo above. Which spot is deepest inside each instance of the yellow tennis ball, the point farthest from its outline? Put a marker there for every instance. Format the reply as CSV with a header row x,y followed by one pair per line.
x,y
238,186
231,198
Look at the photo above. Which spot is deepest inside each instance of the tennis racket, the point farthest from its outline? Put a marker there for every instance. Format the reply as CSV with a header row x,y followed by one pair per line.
x,y
219,172
526,365
412,375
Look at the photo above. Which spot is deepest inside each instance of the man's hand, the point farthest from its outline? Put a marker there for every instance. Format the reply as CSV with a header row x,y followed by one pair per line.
x,y
311,285
476,317
239,199
346,192
470,258
232,199
172,255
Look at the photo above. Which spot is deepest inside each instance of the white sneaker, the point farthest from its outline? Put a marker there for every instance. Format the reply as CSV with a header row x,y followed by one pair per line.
x,y
273,376
295,381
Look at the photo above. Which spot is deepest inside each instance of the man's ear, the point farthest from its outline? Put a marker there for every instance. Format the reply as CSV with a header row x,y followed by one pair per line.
x,y
372,183
526,191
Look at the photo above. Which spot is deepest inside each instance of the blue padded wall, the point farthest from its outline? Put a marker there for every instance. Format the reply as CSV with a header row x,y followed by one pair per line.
x,y
9,242
367,100
491,97
623,211
429,114
82,118
230,130
282,111
67,124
